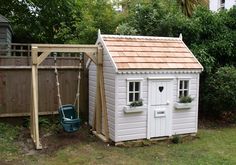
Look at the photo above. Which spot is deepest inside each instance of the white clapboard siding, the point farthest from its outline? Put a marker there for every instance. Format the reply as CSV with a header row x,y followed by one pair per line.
x,y
134,126
132,136
109,81
129,126
185,121
92,91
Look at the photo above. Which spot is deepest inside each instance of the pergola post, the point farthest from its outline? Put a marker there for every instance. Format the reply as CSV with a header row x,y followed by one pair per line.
x,y
100,104
34,107
103,97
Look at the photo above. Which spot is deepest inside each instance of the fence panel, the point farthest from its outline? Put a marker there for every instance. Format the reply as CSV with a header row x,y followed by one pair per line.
x,y
15,85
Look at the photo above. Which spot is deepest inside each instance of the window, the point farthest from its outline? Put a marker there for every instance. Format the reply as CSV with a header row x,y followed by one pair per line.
x,y
222,4
134,91
183,88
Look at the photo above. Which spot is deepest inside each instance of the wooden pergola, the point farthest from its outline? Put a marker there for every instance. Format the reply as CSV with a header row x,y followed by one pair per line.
x,y
39,53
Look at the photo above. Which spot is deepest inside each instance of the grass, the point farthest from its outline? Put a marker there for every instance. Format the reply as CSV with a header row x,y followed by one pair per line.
x,y
8,134
213,146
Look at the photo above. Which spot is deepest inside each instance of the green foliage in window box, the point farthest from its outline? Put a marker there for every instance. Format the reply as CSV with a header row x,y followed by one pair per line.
x,y
136,103
185,99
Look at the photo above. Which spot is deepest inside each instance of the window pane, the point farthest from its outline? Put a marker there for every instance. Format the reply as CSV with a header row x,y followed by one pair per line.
x,y
131,86
137,85
185,93
131,97
180,93
185,84
181,85
136,96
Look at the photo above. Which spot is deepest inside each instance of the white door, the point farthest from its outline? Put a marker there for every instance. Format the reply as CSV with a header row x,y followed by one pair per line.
x,y
159,109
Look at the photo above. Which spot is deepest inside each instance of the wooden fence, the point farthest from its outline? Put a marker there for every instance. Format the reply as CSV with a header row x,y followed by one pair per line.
x,y
15,83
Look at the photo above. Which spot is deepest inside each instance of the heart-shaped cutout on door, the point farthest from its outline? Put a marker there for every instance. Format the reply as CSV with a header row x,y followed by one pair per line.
x,y
161,88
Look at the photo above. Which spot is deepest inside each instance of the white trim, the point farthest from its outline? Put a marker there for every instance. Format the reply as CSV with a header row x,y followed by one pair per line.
x,y
116,109
138,109
148,110
178,83
108,53
185,77
197,101
134,79
181,36
182,106
170,111
160,71
88,63
171,108
141,37
100,40
161,78
128,80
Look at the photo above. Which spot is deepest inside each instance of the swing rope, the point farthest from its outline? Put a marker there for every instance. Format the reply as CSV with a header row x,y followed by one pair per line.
x,y
78,87
57,79
58,85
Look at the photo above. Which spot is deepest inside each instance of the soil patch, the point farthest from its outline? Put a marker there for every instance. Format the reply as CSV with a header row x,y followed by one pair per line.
x,y
52,141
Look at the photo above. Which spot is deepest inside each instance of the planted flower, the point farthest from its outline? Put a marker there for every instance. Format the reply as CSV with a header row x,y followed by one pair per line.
x,y
136,103
185,99
185,102
134,107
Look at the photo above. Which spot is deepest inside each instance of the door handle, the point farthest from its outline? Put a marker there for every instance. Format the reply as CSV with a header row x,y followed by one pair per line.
x,y
168,103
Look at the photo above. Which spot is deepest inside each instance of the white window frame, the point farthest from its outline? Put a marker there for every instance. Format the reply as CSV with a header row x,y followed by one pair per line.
x,y
188,88
128,80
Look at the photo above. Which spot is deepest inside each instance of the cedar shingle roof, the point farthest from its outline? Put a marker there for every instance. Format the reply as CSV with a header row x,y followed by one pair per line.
x,y
139,52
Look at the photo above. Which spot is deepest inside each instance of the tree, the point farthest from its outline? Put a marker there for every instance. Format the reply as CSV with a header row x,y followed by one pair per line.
x,y
126,29
94,15
188,6
59,21
220,95
20,17
37,20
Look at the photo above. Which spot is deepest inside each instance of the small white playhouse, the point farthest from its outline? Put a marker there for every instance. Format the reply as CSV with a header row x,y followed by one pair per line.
x,y
155,71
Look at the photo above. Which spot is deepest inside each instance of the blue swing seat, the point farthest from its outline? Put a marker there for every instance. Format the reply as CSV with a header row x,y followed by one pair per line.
x,y
69,118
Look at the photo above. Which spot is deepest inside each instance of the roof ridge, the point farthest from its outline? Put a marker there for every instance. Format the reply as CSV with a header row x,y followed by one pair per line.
x,y
140,37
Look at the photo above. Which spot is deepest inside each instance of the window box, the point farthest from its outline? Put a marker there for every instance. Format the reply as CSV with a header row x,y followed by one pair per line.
x,y
183,105
137,109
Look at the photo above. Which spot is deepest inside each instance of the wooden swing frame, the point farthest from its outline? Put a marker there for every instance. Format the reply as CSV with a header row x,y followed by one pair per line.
x,y
39,53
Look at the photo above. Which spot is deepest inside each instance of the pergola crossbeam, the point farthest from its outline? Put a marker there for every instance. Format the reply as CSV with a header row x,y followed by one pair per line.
x,y
65,48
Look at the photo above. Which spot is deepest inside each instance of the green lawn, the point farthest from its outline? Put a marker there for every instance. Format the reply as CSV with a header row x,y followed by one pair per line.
x,y
212,146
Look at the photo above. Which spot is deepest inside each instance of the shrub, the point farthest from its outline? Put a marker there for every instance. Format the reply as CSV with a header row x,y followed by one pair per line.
x,y
136,103
176,139
185,99
220,92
